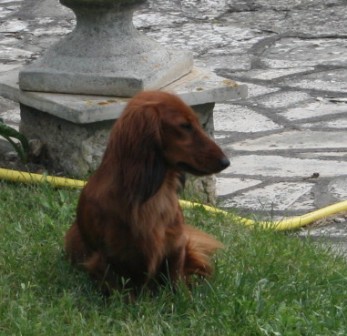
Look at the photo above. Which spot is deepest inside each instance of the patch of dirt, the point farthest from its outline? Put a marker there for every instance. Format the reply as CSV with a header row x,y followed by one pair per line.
x,y
37,163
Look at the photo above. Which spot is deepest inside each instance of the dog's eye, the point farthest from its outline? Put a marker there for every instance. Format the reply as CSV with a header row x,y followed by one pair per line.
x,y
186,126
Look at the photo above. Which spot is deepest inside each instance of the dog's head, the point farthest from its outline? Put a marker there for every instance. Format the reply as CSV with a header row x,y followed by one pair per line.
x,y
157,132
185,144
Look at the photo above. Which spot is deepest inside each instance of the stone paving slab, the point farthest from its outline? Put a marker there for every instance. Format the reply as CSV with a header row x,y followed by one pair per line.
x,y
314,109
300,51
290,54
196,88
277,166
283,99
240,117
270,198
326,81
294,140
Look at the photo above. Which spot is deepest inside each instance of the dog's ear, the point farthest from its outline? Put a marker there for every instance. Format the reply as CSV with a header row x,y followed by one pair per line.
x,y
151,177
140,152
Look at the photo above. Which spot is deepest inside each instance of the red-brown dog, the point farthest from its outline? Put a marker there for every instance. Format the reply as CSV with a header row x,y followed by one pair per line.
x,y
129,223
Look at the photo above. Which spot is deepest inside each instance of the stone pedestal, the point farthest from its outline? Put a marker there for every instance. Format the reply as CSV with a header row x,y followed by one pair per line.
x,y
75,128
71,96
77,149
105,55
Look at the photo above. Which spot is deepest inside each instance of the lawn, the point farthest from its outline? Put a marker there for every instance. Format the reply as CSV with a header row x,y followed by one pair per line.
x,y
266,283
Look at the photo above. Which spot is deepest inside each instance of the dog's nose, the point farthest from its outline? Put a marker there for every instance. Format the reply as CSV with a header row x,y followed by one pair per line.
x,y
224,162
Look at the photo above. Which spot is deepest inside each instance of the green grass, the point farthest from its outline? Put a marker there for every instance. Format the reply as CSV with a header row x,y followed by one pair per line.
x,y
266,283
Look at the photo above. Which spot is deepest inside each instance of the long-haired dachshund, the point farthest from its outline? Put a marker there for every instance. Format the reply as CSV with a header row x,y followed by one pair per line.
x,y
129,226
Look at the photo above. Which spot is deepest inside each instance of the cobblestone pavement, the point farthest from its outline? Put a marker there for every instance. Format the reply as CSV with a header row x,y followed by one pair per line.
x,y
287,141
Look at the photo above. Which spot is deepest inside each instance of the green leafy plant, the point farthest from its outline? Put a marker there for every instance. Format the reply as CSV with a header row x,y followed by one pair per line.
x,y
22,148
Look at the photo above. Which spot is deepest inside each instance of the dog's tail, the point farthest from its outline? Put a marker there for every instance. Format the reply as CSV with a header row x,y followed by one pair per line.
x,y
199,251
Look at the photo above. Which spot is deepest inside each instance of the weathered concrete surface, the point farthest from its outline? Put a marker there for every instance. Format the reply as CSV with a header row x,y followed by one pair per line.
x,y
196,88
105,55
77,148
286,141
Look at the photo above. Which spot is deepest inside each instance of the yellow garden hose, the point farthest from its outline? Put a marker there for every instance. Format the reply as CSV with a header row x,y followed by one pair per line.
x,y
290,223
19,176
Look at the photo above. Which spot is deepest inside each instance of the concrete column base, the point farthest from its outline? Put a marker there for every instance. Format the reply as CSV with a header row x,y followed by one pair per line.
x,y
105,55
77,149
75,128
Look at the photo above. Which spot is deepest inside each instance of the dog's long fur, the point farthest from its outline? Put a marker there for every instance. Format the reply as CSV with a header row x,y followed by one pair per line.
x,y
129,223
